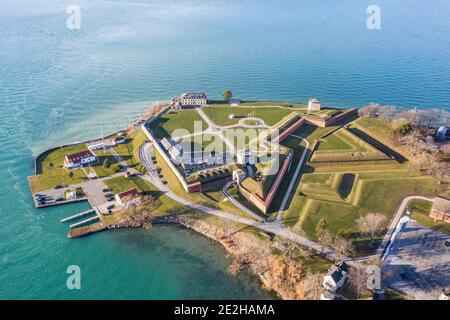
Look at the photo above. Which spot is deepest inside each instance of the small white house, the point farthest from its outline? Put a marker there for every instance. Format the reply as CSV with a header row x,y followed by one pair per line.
x,y
70,194
128,198
239,175
118,140
79,159
234,102
313,105
232,116
336,277
97,146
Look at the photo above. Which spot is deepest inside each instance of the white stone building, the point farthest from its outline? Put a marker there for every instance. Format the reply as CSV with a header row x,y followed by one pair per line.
x,y
193,99
313,105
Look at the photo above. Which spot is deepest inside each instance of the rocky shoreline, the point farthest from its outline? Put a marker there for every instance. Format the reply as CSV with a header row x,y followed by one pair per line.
x,y
277,273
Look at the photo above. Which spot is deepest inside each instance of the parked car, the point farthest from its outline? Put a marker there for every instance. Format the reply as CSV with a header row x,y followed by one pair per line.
x,y
110,207
60,199
109,195
58,186
106,189
447,243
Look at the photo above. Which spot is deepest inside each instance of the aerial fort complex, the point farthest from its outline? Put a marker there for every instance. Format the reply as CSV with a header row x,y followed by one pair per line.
x,y
291,171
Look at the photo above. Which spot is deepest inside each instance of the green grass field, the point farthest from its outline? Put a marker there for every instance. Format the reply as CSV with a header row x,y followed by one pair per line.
x,y
186,120
53,172
163,204
220,115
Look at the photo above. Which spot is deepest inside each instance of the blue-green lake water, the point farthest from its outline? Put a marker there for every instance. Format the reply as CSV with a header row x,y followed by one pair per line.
x,y
57,85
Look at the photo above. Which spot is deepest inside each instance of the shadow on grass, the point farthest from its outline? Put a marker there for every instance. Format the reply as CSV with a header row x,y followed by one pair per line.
x,y
378,145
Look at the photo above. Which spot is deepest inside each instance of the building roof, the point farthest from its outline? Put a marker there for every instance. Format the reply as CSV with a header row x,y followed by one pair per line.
x,y
441,205
193,95
128,195
166,143
77,157
314,100
336,272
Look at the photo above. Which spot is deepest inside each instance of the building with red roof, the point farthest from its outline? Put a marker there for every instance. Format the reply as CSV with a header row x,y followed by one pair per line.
x,y
79,159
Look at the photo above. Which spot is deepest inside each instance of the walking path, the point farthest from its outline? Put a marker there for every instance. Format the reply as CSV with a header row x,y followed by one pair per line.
x,y
243,208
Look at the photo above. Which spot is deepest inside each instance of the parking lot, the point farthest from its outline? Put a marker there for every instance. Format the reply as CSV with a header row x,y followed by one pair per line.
x,y
419,263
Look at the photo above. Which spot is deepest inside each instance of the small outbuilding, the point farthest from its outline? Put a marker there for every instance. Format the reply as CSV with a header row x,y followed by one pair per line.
x,y
234,102
128,198
313,104
118,140
238,175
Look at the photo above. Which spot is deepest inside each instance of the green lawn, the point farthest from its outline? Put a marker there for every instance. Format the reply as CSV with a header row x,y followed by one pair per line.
x,y
165,125
163,204
333,142
379,196
220,115
53,172
375,127
420,210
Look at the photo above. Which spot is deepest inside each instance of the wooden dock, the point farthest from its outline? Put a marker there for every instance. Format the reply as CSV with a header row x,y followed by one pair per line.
x,y
79,215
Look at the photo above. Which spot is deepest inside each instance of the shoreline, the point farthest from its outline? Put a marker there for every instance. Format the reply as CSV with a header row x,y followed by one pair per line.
x,y
277,274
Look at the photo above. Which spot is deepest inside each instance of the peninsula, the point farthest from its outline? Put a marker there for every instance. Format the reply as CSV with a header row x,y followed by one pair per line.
x,y
301,195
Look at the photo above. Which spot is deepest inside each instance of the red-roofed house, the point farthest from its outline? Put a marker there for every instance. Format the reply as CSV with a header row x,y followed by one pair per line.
x,y
128,198
80,158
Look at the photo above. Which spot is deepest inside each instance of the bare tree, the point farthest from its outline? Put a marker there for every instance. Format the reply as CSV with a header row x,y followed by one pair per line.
x,y
358,282
371,224
325,239
370,110
311,286
291,247
439,171
342,246
387,112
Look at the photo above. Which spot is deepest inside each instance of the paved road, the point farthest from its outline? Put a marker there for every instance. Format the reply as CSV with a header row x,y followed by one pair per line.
x,y
243,208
